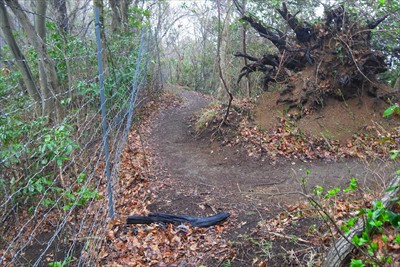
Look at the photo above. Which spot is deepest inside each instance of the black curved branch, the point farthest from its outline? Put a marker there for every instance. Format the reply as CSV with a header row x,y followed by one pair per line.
x,y
277,39
374,24
249,57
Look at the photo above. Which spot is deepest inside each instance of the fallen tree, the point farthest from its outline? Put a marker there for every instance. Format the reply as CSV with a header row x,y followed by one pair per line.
x,y
333,59
341,249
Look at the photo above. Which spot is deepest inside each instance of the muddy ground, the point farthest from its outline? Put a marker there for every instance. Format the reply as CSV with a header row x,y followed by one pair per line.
x,y
202,177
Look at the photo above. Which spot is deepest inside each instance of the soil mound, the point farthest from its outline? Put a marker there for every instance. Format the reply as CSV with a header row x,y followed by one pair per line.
x,y
337,120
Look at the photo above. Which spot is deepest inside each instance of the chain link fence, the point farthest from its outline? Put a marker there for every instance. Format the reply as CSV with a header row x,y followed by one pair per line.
x,y
57,176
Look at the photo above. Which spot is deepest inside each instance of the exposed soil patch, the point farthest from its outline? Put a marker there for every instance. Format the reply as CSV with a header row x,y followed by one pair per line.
x,y
201,178
338,120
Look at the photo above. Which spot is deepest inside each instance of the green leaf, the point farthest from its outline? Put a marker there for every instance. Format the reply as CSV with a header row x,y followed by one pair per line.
x,y
351,222
39,187
373,247
397,239
353,185
376,223
55,264
359,241
394,219
81,178
332,192
345,229
356,263
394,153
68,149
59,162
47,138
389,111
318,190
392,188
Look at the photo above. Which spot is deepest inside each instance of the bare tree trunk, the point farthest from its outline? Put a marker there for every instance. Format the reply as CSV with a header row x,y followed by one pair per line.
x,y
40,19
116,16
47,105
50,88
338,255
222,55
244,49
119,15
223,37
60,7
125,14
19,57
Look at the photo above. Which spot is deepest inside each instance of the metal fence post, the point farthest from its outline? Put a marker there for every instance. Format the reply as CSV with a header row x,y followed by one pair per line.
x,y
134,85
103,113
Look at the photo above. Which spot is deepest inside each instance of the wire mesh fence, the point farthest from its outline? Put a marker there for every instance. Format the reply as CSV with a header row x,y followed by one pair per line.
x,y
57,175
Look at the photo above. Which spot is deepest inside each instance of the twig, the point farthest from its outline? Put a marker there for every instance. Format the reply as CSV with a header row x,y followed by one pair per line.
x,y
280,64
316,74
237,184
87,238
275,194
290,237
354,61
326,140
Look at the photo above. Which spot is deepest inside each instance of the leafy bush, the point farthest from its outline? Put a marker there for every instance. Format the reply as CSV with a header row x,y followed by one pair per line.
x,y
29,167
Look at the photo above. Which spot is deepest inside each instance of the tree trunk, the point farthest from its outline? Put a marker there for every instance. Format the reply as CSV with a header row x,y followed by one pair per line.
x,y
60,7
116,16
222,56
40,27
338,255
223,43
40,19
19,58
119,15
247,87
50,88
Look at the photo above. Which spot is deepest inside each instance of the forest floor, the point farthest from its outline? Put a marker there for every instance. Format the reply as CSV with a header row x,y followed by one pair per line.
x,y
266,198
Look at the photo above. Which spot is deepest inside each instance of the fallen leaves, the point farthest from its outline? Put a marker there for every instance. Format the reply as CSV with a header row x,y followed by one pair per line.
x,y
286,140
155,244
158,244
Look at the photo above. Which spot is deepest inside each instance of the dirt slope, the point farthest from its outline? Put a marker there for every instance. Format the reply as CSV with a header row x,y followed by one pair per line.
x,y
202,178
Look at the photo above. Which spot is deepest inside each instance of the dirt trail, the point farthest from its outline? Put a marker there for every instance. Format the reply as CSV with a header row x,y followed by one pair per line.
x,y
202,178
